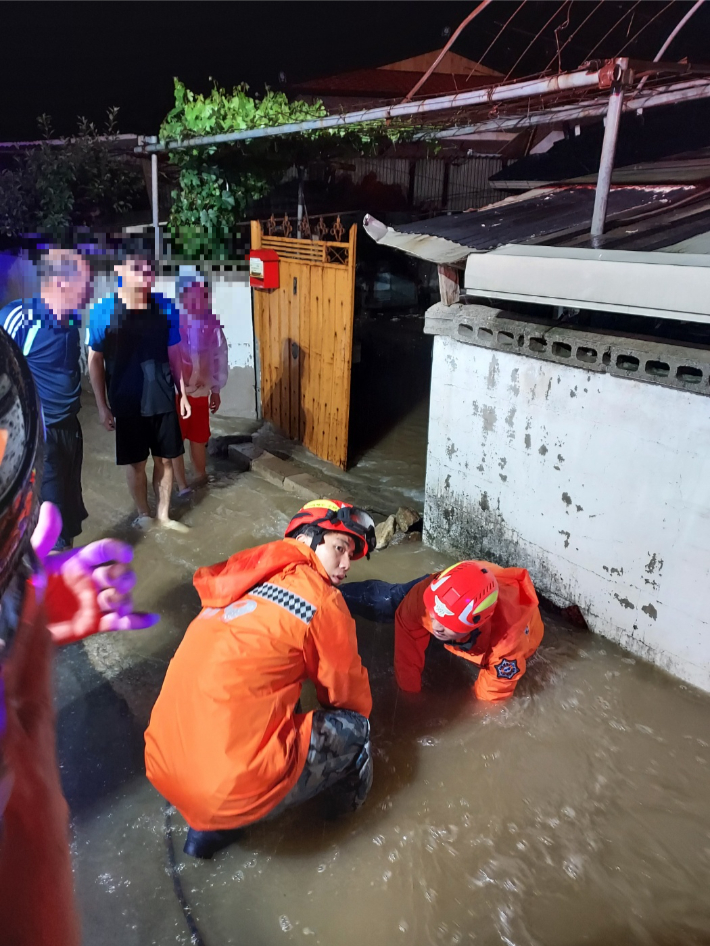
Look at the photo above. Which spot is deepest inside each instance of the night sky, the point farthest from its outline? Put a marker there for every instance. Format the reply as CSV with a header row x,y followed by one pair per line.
x,y
67,59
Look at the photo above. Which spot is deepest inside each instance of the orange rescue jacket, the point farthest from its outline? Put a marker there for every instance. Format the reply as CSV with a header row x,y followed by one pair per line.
x,y
501,650
225,744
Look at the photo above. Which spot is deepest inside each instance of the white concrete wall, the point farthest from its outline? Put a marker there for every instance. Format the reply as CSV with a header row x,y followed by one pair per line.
x,y
599,485
231,301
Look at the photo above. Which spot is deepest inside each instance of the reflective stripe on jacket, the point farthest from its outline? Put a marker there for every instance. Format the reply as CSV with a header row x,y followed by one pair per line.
x,y
225,744
501,650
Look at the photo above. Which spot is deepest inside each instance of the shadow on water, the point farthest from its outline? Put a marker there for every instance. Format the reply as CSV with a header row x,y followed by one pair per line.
x,y
100,720
99,741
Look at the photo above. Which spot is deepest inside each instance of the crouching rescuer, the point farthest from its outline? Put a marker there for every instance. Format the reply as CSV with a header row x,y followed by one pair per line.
x,y
227,743
481,612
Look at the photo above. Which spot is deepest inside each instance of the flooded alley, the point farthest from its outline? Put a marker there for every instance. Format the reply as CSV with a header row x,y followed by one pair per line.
x,y
578,812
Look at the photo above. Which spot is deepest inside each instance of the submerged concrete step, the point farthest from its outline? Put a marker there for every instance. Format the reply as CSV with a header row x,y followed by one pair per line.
x,y
284,473
309,487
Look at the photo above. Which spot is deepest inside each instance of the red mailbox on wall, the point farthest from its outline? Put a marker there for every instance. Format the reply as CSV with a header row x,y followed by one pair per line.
x,y
263,269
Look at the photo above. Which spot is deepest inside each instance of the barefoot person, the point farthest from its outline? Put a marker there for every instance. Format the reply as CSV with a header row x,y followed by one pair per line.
x,y
203,350
227,743
135,367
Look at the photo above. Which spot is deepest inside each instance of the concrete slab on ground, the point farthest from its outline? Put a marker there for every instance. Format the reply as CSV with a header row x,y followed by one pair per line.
x,y
273,469
308,488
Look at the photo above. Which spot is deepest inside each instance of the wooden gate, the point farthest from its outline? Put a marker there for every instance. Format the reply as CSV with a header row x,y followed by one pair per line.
x,y
305,332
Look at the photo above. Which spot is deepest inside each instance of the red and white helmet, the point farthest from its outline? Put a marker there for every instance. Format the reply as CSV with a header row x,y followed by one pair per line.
x,y
331,515
463,597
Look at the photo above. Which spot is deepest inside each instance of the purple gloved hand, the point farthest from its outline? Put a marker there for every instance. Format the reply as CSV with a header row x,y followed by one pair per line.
x,y
88,589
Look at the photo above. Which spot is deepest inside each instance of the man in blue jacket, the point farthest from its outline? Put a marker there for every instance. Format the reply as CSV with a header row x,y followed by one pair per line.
x,y
46,329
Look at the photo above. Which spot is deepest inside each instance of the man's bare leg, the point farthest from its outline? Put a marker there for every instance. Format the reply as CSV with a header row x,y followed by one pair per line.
x,y
198,454
163,486
179,473
138,487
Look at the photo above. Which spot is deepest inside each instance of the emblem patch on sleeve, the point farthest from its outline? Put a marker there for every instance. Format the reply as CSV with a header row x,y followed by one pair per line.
x,y
507,669
239,608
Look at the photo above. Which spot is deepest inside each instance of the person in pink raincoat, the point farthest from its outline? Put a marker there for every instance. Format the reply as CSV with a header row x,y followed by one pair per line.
x,y
203,350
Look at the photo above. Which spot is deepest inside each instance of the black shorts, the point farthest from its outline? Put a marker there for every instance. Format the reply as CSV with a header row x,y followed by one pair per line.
x,y
61,480
136,437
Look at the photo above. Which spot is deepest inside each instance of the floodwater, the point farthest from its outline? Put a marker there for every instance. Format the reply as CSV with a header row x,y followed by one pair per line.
x,y
579,812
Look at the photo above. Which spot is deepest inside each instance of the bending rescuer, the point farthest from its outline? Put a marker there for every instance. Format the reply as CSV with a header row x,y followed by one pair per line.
x,y
481,612
227,743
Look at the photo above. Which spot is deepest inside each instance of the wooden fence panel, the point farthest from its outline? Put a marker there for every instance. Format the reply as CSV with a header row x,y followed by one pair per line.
x,y
304,331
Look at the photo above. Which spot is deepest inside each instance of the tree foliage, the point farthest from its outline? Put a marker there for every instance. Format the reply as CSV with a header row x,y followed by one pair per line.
x,y
81,183
218,184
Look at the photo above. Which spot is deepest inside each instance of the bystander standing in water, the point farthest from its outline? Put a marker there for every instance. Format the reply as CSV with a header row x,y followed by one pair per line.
x,y
46,328
203,351
135,369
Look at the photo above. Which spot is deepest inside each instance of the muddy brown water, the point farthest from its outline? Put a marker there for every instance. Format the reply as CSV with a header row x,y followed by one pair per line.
x,y
576,813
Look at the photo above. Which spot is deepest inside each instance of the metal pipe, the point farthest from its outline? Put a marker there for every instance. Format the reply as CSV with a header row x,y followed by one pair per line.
x,y
531,87
154,202
606,162
452,39
301,201
663,95
674,32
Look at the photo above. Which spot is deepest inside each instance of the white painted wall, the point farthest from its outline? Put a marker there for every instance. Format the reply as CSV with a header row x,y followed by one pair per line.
x,y
598,485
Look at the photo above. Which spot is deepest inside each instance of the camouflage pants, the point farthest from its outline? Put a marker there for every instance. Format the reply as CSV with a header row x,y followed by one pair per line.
x,y
339,762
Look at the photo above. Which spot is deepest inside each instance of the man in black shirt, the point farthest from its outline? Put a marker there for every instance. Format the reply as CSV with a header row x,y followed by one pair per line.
x,y
133,339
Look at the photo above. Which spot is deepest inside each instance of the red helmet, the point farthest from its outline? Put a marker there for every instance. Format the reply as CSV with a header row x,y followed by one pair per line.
x,y
463,597
331,515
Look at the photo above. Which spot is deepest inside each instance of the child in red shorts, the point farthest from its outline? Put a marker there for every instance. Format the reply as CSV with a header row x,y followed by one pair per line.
x,y
203,349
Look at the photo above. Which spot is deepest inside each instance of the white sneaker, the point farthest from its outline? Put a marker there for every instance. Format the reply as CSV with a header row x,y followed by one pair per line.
x,y
143,523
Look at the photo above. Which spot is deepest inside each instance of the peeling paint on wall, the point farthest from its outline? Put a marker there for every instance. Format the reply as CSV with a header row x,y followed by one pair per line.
x,y
493,373
489,418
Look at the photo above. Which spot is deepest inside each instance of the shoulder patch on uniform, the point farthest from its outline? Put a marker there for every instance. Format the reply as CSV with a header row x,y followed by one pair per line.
x,y
238,609
507,669
208,612
291,602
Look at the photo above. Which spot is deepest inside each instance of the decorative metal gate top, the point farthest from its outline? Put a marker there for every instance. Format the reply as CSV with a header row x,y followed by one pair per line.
x,y
313,246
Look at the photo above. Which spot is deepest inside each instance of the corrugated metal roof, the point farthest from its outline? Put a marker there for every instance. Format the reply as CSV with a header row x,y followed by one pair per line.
x,y
638,217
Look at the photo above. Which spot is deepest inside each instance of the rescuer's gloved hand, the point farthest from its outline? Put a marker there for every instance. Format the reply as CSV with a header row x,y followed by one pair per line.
x,y
89,588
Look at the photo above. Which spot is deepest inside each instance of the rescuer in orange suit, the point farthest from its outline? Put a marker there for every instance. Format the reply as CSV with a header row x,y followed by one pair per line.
x,y
481,612
227,743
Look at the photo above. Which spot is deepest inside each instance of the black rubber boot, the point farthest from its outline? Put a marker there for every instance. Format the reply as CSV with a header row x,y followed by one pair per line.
x,y
205,844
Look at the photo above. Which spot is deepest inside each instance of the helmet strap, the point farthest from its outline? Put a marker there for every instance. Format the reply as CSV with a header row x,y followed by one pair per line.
x,y
319,537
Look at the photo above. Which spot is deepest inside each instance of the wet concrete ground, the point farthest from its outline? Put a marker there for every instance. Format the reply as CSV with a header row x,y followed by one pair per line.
x,y
577,813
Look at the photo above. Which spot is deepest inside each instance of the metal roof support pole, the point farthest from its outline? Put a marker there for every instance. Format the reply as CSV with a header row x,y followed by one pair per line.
x,y
606,162
154,201
301,202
